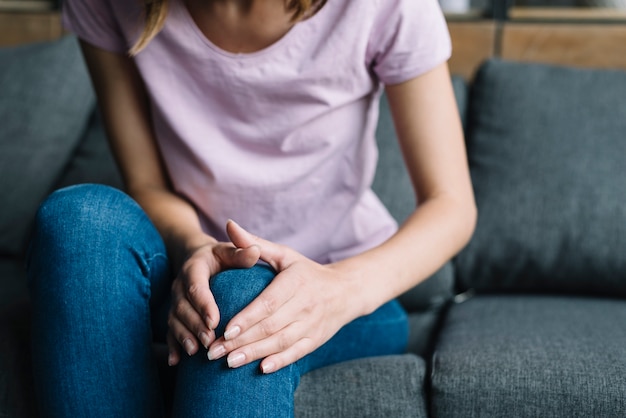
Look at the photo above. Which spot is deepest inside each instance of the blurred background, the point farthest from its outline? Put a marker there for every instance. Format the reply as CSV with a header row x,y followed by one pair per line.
x,y
555,31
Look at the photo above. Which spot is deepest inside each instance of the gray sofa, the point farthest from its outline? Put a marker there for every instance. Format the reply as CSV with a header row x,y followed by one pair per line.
x,y
529,320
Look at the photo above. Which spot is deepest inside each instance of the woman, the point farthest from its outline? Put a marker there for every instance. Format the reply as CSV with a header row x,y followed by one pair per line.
x,y
263,112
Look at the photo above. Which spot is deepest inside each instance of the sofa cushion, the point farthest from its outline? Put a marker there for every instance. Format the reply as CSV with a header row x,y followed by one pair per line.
x,y
388,386
92,161
423,327
546,148
531,356
16,377
368,387
44,107
12,281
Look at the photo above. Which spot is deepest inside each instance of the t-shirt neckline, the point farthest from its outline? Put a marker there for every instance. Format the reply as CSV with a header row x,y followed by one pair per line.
x,y
285,39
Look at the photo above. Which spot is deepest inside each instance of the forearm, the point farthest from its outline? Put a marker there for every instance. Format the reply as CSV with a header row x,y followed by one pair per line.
x,y
175,219
307,303
433,234
431,138
123,103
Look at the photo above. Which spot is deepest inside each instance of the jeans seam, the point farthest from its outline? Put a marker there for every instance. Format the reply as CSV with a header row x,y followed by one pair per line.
x,y
145,260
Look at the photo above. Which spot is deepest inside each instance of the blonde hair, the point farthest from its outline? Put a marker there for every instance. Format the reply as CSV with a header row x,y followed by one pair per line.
x,y
155,13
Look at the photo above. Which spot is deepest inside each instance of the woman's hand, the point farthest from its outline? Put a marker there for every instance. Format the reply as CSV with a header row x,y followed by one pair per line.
x,y
301,309
194,314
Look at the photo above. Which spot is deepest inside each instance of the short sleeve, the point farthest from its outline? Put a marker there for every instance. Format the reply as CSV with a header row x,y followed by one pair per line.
x,y
94,22
409,38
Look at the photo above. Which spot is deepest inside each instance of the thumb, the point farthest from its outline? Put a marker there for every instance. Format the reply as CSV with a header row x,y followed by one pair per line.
x,y
277,256
239,236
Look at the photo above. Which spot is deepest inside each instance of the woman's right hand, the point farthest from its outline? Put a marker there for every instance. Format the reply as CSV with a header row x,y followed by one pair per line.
x,y
194,315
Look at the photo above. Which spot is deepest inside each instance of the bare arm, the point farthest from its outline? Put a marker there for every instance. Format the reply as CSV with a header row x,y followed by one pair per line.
x,y
124,105
315,301
431,138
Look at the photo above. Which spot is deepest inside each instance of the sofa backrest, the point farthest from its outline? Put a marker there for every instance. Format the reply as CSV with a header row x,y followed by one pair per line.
x,y
45,103
547,151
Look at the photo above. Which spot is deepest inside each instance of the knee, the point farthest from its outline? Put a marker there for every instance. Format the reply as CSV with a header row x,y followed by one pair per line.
x,y
83,207
234,289
90,237
79,220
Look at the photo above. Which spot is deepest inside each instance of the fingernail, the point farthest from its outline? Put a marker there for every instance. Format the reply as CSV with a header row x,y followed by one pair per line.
x,y
210,323
236,360
268,367
205,339
189,346
232,333
170,359
216,352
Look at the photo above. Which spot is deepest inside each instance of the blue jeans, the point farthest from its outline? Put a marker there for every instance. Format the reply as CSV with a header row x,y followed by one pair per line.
x,y
100,278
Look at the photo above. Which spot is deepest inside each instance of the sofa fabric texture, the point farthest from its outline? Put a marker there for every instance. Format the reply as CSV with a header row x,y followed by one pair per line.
x,y
396,391
46,100
531,356
546,148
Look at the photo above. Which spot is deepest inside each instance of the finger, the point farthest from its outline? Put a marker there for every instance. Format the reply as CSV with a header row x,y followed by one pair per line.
x,y
276,343
289,356
276,255
260,331
195,285
182,335
233,257
263,307
173,349
182,312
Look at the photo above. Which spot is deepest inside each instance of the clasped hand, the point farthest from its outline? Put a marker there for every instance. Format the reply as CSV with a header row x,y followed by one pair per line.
x,y
301,309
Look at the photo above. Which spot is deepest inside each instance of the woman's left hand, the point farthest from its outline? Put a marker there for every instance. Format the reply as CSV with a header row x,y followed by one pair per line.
x,y
301,309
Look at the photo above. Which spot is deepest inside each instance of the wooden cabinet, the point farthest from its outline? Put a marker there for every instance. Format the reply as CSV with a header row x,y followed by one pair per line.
x,y
24,27
584,37
472,43
591,45
580,37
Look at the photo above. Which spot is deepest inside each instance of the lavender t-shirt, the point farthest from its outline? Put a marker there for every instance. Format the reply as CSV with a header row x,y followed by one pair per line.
x,y
280,140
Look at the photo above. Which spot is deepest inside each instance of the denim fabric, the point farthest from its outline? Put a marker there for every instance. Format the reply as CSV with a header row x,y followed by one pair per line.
x,y
97,270
99,279
546,147
531,356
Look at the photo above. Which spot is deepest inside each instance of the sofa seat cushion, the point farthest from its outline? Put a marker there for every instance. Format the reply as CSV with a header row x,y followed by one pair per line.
x,y
12,281
387,386
546,148
16,377
45,105
531,356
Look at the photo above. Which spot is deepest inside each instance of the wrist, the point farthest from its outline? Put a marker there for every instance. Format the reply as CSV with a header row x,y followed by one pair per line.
x,y
195,242
181,249
362,295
